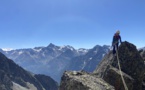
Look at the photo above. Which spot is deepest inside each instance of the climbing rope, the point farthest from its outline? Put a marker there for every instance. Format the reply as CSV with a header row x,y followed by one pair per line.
x,y
125,86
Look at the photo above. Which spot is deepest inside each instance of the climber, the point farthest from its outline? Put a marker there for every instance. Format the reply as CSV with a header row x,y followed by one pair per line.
x,y
115,42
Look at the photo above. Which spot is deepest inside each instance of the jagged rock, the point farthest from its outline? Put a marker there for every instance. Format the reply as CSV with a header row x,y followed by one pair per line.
x,y
132,67
142,53
83,81
113,78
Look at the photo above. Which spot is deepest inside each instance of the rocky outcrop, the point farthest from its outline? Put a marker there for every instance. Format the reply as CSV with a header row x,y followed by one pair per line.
x,y
83,81
132,69
142,53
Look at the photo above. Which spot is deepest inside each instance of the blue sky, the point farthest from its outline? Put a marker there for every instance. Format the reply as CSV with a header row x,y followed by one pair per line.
x,y
79,23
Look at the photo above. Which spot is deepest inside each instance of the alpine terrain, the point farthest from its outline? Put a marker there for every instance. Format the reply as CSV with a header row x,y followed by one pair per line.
x,y
123,71
54,60
14,77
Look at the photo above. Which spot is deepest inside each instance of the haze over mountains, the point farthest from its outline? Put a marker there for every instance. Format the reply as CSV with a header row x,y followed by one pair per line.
x,y
14,77
53,60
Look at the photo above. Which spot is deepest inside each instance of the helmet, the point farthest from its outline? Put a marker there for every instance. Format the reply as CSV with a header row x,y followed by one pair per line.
x,y
118,31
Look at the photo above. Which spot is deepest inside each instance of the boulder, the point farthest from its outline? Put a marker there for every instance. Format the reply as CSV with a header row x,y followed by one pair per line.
x,y
81,80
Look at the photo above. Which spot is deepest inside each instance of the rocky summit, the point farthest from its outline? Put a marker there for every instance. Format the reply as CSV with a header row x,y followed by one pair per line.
x,y
83,81
107,75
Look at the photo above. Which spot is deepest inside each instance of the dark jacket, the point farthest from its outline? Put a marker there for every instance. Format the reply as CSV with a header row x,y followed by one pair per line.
x,y
116,39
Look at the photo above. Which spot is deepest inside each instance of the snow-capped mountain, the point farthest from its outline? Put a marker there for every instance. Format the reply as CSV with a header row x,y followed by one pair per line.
x,y
7,49
142,48
50,60
90,60
53,60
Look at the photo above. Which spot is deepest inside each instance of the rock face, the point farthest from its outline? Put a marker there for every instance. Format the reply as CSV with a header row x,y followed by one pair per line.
x,y
14,77
142,53
83,81
132,68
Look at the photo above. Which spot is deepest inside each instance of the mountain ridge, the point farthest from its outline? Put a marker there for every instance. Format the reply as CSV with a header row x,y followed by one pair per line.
x,y
53,60
13,76
38,59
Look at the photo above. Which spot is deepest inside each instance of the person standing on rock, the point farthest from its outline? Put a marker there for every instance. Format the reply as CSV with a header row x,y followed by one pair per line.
x,y
115,42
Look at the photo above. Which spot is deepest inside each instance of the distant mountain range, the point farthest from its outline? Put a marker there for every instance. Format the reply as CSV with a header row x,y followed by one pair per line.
x,y
142,48
90,60
53,60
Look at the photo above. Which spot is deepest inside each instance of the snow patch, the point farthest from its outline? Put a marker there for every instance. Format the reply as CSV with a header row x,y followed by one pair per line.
x,y
82,50
90,58
68,47
84,64
20,52
61,47
95,51
7,49
43,54
103,55
37,50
